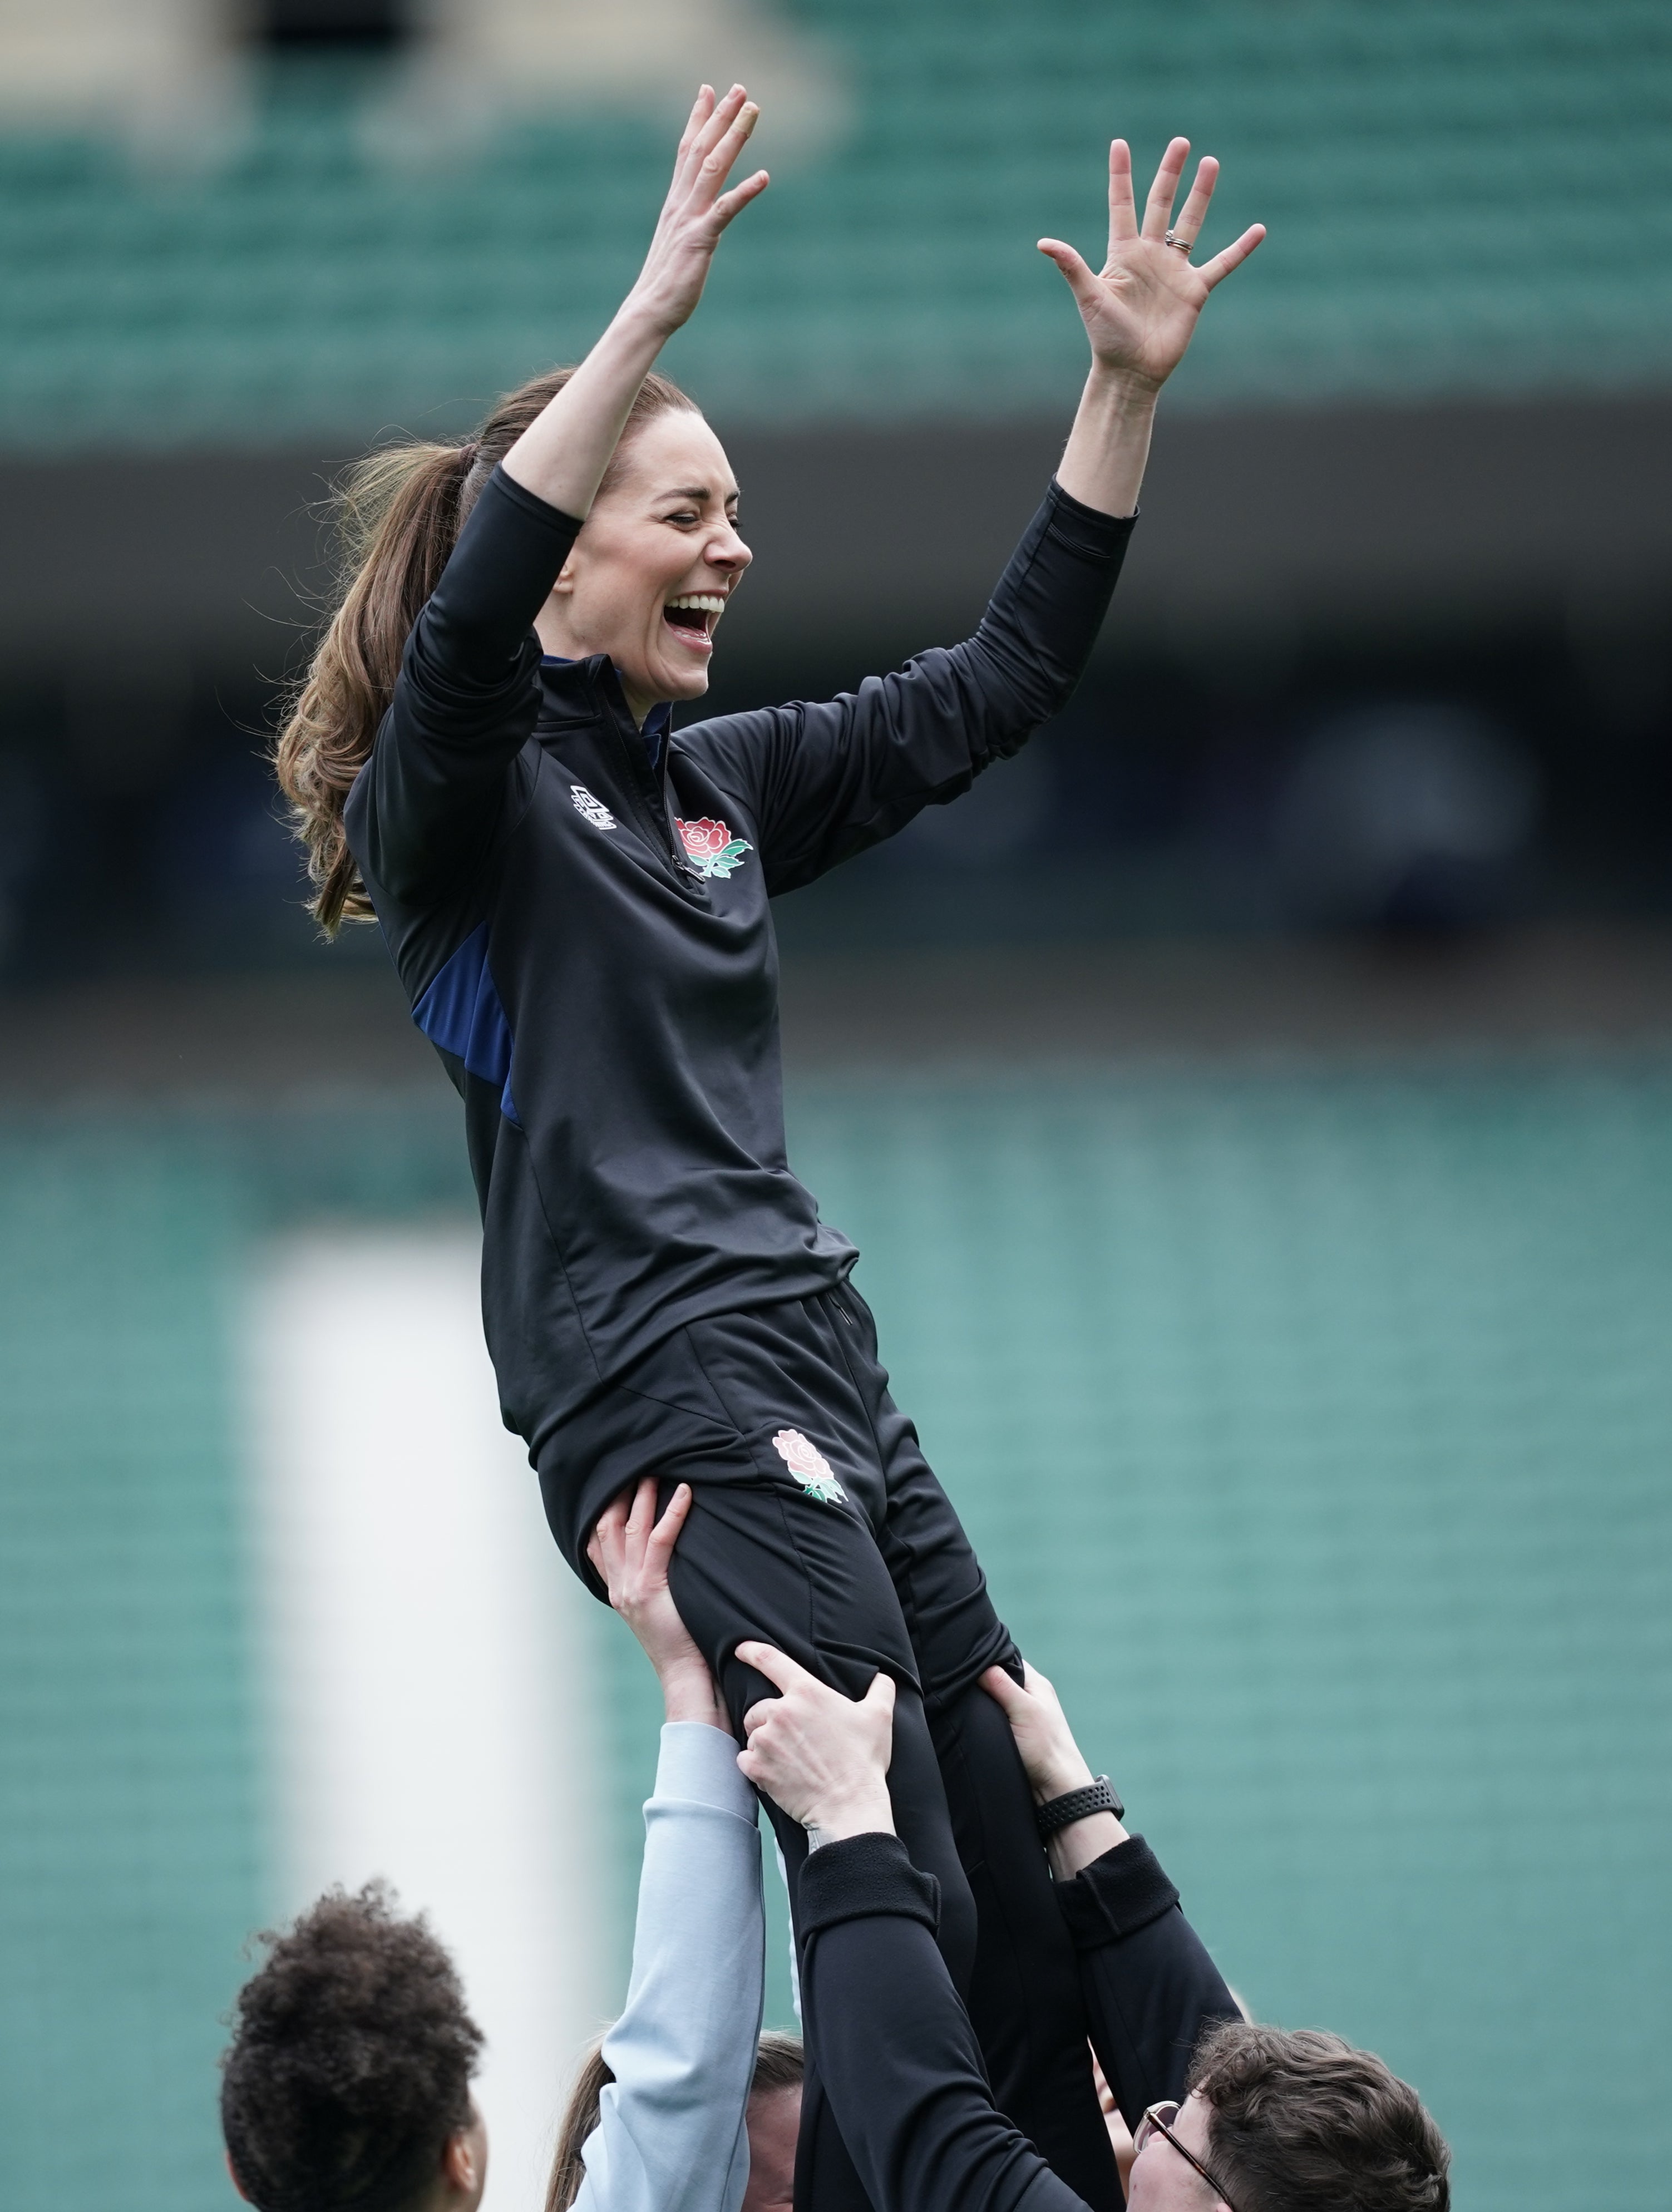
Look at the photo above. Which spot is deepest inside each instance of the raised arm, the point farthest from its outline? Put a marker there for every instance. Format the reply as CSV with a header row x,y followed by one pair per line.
x,y
823,782
891,2038
885,2026
562,458
465,702
827,780
1149,1984
1140,312
671,2136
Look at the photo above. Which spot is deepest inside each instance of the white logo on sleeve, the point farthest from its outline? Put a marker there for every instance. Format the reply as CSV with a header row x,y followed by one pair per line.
x,y
808,1465
591,809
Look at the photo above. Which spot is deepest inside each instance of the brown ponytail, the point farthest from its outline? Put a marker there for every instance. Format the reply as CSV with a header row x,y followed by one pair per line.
x,y
778,2065
569,2168
397,516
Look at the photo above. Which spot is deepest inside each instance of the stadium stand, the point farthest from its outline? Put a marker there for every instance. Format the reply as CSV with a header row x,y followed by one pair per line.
x,y
1417,450
1461,200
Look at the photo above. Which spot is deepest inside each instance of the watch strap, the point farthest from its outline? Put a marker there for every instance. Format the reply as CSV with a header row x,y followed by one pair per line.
x,y
1097,1796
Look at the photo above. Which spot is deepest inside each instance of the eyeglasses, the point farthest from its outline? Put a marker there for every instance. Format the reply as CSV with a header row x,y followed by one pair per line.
x,y
1157,2121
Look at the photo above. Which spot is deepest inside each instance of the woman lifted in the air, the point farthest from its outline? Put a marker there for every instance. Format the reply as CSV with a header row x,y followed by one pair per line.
x,y
577,896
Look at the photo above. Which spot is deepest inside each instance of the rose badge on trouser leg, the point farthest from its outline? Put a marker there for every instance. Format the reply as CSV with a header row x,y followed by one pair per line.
x,y
809,1466
711,848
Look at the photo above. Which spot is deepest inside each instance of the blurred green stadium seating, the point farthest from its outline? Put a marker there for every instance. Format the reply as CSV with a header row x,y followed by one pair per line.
x,y
130,1836
1314,1428
1461,199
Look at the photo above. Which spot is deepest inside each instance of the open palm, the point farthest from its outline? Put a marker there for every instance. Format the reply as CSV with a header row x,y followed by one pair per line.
x,y
698,208
1141,309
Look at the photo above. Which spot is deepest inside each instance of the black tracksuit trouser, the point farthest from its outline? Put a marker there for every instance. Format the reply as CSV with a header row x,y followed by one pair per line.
x,y
817,1526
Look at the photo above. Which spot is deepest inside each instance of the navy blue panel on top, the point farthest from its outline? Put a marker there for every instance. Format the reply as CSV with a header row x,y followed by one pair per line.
x,y
461,1012
657,722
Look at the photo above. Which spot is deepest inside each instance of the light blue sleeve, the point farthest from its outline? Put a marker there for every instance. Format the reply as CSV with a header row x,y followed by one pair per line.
x,y
670,2135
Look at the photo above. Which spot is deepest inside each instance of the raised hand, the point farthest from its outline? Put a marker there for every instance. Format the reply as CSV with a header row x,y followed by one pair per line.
x,y
1141,309
561,457
1053,1765
1050,1758
697,207
631,1548
822,1757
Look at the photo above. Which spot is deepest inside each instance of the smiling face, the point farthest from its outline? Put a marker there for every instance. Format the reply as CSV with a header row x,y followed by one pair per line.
x,y
656,561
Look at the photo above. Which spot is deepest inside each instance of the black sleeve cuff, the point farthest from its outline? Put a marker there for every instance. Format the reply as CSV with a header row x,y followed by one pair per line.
x,y
860,1876
1085,530
538,510
1116,1895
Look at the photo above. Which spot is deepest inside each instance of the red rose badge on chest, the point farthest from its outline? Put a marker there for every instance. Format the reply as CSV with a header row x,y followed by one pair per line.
x,y
710,847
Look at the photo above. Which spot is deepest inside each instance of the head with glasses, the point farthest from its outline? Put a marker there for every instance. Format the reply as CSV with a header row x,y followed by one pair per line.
x,y
1277,2120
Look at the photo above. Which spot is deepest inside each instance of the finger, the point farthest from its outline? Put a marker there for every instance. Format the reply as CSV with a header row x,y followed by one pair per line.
x,y
644,1506
598,1552
1005,1692
777,1666
692,144
717,162
1216,271
1123,210
1081,281
611,1522
728,203
701,108
605,1554
754,1769
614,1515
1188,223
1159,208
880,1696
721,120
666,1534
719,117
702,141
760,1712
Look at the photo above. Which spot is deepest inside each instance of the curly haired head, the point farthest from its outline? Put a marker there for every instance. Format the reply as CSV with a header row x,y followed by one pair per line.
x,y
1299,2121
350,2061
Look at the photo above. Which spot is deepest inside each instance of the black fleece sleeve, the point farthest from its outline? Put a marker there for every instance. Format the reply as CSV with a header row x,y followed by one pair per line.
x,y
826,781
426,803
1150,1986
893,2045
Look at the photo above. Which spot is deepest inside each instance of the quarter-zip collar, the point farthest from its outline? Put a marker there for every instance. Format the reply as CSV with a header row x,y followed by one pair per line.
x,y
590,690
657,724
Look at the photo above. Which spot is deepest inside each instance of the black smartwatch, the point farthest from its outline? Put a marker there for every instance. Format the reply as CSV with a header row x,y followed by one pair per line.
x,y
1097,1796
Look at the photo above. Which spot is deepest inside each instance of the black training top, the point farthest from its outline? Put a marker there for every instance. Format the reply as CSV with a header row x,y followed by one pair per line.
x,y
588,942
893,2045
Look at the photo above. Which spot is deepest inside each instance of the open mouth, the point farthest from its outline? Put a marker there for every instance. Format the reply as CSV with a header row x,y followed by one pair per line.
x,y
694,615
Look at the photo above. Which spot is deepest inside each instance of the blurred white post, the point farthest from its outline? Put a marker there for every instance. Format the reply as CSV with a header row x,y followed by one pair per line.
x,y
431,1707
